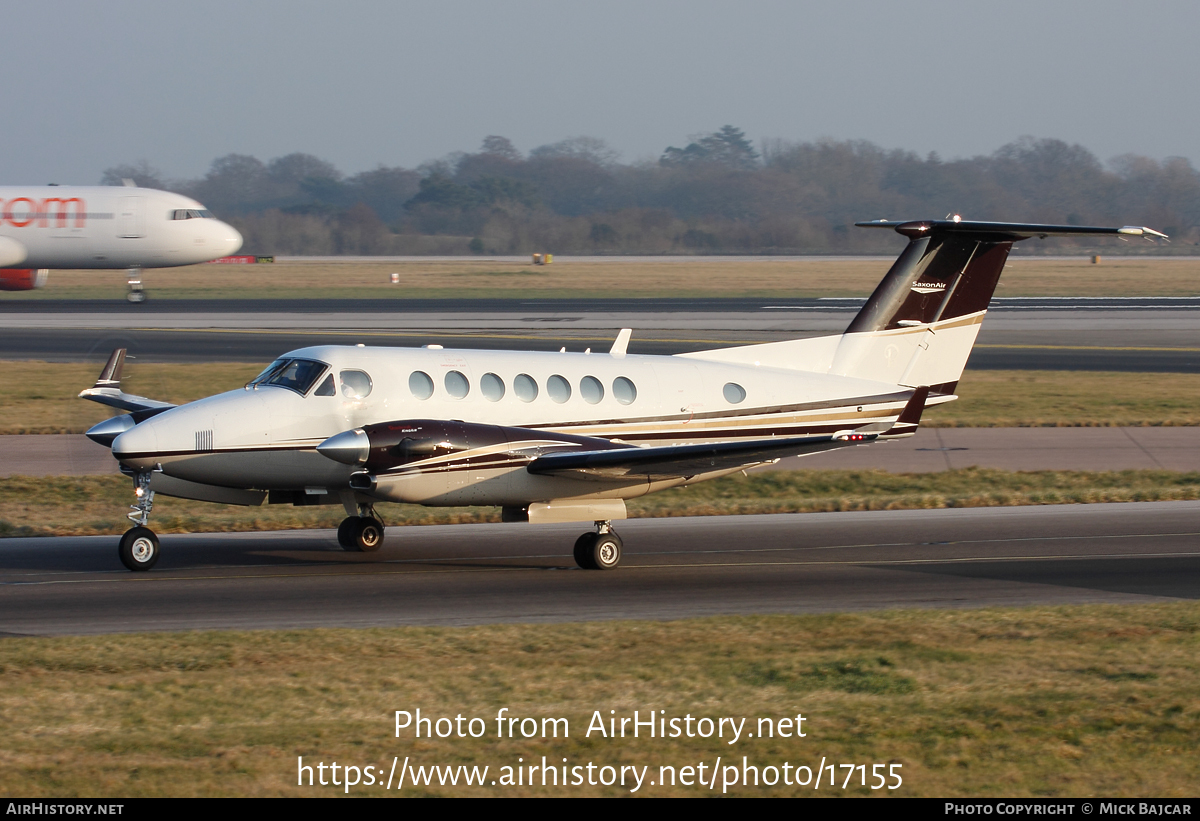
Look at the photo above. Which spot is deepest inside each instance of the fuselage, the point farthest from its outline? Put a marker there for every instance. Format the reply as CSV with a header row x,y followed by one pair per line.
x,y
265,436
107,227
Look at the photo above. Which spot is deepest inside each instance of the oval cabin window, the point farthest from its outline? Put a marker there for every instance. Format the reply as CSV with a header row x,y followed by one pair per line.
x,y
591,390
525,387
457,384
624,390
420,384
734,393
558,388
355,384
492,387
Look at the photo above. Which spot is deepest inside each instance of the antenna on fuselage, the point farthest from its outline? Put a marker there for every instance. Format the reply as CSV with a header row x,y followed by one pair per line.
x,y
621,344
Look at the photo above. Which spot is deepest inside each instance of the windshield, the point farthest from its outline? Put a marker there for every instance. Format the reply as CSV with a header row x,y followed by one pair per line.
x,y
298,375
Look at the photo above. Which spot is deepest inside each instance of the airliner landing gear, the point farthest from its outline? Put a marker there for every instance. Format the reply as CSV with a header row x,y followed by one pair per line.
x,y
600,550
362,533
138,549
135,294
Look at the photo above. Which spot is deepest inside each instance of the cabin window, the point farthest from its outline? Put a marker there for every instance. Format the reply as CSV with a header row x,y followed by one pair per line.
x,y
558,388
624,390
355,385
525,387
734,393
456,384
591,390
492,387
420,384
326,388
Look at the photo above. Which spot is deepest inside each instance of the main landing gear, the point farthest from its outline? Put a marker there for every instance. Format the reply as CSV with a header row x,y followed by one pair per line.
x,y
135,294
139,546
362,533
600,550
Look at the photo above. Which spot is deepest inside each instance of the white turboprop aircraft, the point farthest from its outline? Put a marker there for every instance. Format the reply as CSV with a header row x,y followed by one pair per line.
x,y
563,437
103,226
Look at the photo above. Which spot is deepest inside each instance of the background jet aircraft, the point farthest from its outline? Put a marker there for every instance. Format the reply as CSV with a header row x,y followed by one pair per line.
x,y
563,437
103,227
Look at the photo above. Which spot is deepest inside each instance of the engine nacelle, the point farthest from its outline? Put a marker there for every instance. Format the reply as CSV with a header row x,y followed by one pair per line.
x,y
23,279
437,462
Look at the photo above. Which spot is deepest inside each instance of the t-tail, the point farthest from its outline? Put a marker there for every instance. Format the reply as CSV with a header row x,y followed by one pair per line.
x,y
918,327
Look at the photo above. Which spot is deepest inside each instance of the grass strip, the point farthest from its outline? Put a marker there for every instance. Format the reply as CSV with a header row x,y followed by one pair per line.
x,y
1048,701
42,397
628,277
95,505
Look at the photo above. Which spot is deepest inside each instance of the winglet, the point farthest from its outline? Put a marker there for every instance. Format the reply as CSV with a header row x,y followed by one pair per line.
x,y
107,390
621,343
110,377
909,418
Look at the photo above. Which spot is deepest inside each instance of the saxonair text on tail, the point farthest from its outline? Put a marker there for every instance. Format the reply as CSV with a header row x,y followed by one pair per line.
x,y
564,437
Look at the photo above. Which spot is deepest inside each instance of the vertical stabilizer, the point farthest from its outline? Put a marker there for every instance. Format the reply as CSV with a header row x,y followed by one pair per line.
x,y
919,325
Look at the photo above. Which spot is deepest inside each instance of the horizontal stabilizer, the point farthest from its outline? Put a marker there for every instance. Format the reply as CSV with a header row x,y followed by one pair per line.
x,y
107,390
995,231
676,461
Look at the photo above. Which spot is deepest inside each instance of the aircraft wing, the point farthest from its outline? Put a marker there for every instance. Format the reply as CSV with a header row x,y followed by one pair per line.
x,y
107,390
674,461
682,461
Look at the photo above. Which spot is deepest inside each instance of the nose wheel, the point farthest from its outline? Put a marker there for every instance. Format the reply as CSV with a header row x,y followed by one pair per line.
x,y
139,548
600,550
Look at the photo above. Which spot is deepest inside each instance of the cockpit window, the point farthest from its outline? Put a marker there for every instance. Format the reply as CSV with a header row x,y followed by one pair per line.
x,y
326,388
191,214
298,375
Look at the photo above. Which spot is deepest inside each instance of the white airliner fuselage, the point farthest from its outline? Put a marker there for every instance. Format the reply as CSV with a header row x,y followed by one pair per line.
x,y
67,226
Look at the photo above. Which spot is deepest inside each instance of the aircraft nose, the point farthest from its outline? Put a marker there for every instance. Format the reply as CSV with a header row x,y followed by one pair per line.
x,y
231,238
137,447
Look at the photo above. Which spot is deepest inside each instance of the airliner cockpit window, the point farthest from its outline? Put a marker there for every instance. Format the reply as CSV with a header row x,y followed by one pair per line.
x,y
298,375
355,385
191,214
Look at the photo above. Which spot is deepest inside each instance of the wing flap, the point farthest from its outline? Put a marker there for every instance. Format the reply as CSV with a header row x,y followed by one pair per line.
x,y
681,461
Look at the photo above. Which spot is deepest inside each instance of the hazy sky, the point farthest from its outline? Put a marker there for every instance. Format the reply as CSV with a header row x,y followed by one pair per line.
x,y
89,85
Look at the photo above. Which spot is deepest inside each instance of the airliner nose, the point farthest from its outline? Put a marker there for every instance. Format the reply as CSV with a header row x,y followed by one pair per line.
x,y
232,239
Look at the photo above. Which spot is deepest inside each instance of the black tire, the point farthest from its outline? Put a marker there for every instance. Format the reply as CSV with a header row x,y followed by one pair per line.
x,y
583,550
138,549
368,535
345,534
606,551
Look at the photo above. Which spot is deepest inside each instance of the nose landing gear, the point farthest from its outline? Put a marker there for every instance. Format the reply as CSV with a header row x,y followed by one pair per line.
x,y
600,550
138,549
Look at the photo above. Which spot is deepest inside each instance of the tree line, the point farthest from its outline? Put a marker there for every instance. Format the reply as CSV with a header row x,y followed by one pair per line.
x,y
716,194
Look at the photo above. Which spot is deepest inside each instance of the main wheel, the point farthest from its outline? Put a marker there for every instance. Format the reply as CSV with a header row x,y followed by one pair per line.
x,y
583,550
139,548
368,535
606,552
346,533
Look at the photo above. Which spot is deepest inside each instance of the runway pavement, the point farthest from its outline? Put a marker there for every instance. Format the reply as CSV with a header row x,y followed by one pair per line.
x,y
672,568
1144,334
932,449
